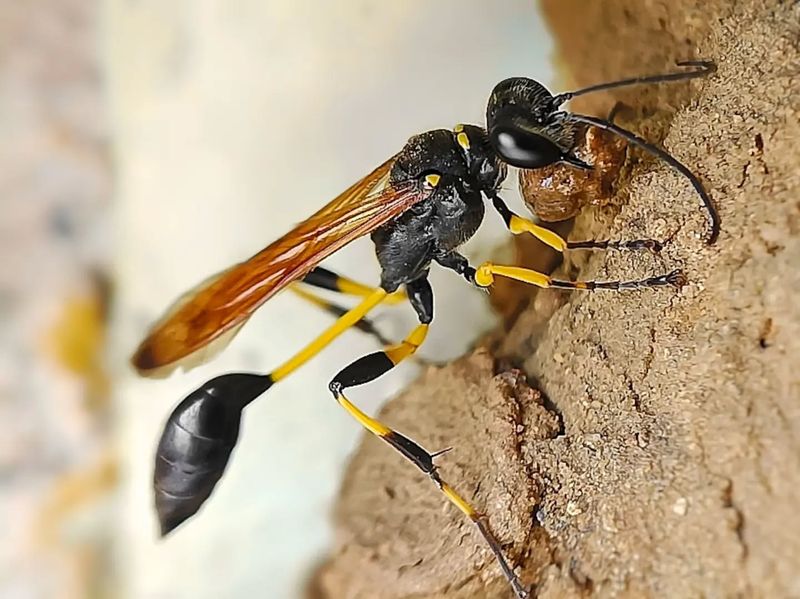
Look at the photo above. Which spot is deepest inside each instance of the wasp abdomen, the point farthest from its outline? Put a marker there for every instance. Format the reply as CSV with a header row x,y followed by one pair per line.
x,y
197,442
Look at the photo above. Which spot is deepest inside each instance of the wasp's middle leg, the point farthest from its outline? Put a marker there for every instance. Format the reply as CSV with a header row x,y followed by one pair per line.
x,y
372,366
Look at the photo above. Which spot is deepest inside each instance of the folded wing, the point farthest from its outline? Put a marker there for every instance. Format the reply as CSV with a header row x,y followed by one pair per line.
x,y
218,307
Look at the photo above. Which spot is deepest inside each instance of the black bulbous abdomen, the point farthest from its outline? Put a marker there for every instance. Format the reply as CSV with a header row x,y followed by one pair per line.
x,y
196,444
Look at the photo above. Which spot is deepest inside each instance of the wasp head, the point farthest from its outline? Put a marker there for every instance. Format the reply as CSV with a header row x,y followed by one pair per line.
x,y
525,127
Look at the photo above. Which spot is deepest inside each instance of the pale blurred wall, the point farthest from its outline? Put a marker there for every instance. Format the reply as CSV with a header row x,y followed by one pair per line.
x,y
55,468
232,121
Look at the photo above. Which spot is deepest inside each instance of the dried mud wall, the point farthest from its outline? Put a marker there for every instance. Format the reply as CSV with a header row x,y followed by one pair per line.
x,y
662,456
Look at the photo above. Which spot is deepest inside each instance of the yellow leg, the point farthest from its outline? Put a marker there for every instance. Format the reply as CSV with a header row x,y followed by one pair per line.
x,y
409,346
346,321
369,368
518,225
351,287
365,325
486,272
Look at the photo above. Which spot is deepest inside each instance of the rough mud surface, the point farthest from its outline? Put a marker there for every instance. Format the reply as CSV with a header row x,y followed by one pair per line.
x,y
664,460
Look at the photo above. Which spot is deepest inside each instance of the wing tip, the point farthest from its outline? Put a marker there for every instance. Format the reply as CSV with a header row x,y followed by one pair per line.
x,y
144,360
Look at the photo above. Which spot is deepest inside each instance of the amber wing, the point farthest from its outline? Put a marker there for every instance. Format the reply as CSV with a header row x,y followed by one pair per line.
x,y
220,305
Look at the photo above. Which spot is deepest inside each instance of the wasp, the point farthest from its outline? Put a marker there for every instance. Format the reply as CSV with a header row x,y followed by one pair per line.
x,y
418,207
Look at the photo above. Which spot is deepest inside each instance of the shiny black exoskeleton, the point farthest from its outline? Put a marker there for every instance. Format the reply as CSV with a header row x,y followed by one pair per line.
x,y
196,443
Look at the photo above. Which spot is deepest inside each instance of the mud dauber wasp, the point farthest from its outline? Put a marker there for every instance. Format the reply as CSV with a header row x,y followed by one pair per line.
x,y
418,207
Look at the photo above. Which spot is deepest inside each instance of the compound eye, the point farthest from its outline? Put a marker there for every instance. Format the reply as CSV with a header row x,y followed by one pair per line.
x,y
523,149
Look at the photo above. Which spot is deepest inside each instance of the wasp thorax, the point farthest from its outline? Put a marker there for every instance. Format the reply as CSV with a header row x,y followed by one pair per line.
x,y
429,153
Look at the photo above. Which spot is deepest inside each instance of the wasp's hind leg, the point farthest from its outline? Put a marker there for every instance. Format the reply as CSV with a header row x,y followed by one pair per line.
x,y
365,325
372,366
323,278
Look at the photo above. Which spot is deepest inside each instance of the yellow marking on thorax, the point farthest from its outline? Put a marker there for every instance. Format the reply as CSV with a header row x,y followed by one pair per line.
x,y
461,137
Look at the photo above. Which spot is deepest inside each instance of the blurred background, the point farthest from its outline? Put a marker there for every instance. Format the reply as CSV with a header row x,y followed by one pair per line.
x,y
145,145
